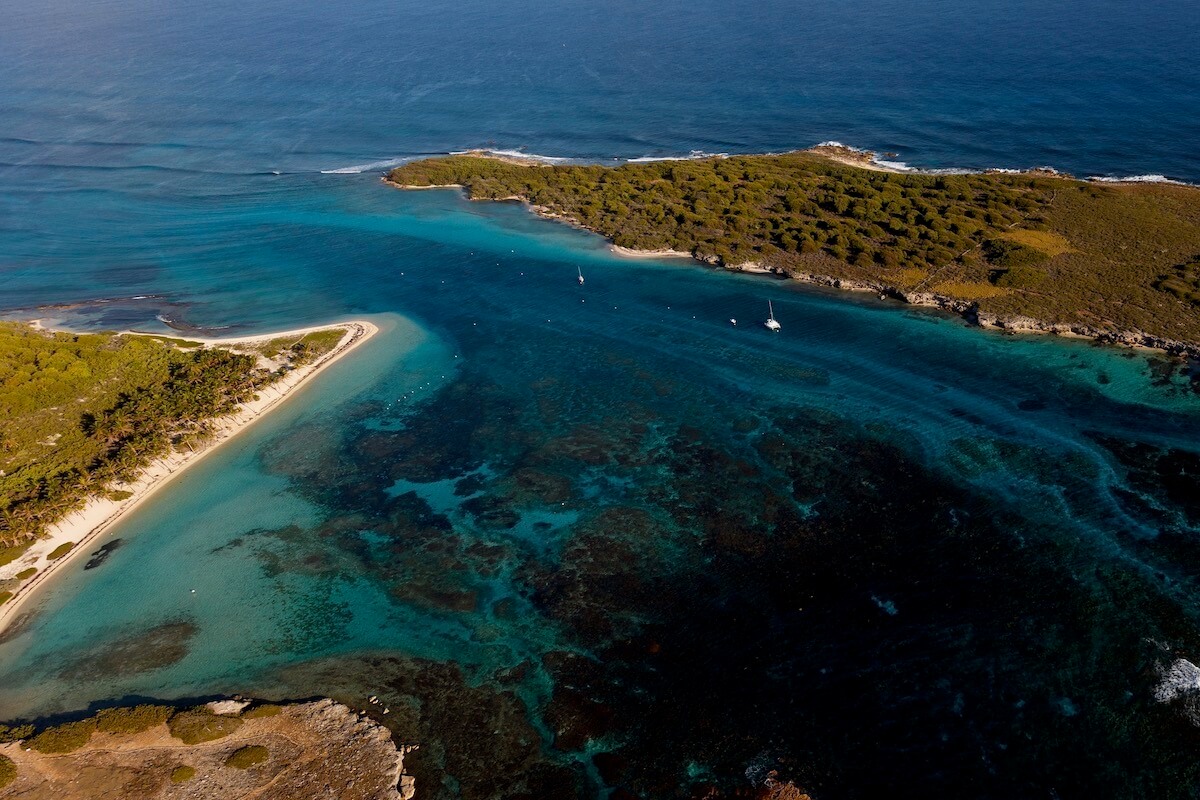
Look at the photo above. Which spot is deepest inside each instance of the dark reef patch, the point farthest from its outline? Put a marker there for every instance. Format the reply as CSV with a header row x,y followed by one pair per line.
x,y
157,647
102,553
650,589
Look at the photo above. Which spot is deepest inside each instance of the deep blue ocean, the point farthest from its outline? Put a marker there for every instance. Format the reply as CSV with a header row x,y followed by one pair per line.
x,y
593,541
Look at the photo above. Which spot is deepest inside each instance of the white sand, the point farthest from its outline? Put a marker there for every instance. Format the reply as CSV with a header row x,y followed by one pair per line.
x,y
629,252
100,515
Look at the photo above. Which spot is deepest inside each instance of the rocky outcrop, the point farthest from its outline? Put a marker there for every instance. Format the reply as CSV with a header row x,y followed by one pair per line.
x,y
315,751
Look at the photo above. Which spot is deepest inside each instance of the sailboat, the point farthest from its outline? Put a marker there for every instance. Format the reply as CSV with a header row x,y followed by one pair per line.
x,y
580,270
771,323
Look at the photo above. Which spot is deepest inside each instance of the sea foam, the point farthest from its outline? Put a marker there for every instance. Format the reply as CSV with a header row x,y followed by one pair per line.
x,y
360,168
514,154
1136,179
692,156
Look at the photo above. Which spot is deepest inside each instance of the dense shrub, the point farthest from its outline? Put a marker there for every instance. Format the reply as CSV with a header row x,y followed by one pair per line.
x,y
64,738
1008,254
15,733
1023,276
201,725
1183,282
134,719
8,771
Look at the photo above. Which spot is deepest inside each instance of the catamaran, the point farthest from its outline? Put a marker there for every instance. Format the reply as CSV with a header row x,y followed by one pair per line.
x,y
771,323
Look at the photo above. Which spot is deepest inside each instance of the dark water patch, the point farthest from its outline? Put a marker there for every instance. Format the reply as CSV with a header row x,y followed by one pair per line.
x,y
102,553
803,593
1170,476
476,739
154,648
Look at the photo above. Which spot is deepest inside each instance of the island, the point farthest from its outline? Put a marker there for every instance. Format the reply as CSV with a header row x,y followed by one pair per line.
x,y
94,424
220,750
1034,251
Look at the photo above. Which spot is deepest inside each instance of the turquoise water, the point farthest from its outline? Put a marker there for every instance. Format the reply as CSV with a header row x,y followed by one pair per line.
x,y
594,539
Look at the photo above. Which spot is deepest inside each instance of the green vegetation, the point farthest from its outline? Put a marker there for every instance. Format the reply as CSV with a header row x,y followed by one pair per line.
x,y
201,725
82,413
182,774
10,553
14,733
1033,244
186,344
1183,282
304,349
5,597
64,738
265,710
133,719
247,757
8,771
60,551
25,574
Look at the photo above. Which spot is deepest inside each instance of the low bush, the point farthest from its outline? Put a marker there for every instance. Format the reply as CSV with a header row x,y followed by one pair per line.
x,y
9,554
201,725
5,597
60,551
27,573
247,757
1020,277
1007,253
182,774
15,733
64,738
134,719
265,710
8,771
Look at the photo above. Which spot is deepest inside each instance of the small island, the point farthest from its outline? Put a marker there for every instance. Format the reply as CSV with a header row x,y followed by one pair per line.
x,y
1033,251
93,424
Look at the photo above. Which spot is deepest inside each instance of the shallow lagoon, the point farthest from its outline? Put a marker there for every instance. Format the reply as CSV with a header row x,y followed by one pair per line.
x,y
598,536
583,538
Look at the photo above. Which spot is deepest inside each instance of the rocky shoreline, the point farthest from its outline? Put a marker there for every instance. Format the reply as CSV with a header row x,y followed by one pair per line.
x,y
220,751
970,312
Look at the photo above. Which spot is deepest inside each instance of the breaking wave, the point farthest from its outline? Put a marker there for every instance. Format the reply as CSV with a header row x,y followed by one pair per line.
x,y
692,156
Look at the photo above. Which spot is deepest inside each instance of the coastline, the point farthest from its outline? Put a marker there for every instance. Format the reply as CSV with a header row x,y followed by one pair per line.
x,y
100,515
965,309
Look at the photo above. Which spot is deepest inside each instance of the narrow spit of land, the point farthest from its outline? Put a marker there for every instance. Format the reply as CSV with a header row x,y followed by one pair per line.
x,y
1032,251
96,424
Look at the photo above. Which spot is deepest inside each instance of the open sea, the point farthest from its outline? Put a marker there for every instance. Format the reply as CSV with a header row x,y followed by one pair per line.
x,y
592,541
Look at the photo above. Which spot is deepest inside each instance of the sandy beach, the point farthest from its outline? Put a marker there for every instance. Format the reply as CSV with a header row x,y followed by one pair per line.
x,y
100,515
